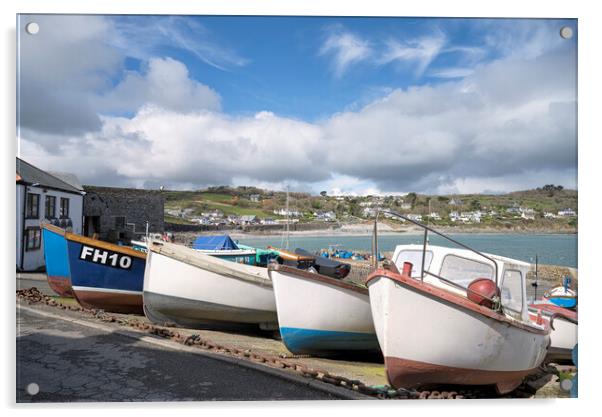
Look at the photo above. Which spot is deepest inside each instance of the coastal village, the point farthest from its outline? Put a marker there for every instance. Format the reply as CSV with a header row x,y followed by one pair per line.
x,y
124,214
225,207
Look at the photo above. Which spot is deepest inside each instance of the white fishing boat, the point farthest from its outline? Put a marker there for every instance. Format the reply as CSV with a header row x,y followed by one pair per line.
x,y
189,288
320,315
563,333
454,316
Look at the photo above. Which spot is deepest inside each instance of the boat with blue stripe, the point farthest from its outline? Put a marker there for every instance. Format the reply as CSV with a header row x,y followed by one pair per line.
x,y
56,259
562,296
104,275
320,315
320,342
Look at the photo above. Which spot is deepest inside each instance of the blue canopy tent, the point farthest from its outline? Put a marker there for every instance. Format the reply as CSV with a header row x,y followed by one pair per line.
x,y
221,242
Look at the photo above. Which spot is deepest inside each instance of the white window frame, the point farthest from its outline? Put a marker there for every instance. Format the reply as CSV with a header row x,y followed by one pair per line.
x,y
522,301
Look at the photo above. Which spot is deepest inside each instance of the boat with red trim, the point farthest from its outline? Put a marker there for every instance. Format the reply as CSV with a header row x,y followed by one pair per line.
x,y
454,316
564,323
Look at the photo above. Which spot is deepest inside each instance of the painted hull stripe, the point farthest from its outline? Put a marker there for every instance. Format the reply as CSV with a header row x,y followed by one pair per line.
x,y
106,290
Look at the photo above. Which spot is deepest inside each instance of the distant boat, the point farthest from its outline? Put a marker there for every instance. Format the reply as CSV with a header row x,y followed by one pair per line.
x,y
104,275
562,295
223,247
56,259
563,336
321,315
189,288
454,316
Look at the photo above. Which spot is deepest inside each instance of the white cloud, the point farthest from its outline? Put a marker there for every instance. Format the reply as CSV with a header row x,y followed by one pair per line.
x,y
166,84
420,52
508,125
451,72
346,48
143,38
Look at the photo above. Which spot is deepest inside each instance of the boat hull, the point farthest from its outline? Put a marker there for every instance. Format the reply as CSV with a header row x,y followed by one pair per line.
x,y
430,340
321,317
57,260
563,337
565,302
106,276
189,296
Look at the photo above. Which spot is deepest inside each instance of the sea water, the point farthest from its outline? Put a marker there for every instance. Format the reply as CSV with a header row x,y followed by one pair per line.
x,y
551,249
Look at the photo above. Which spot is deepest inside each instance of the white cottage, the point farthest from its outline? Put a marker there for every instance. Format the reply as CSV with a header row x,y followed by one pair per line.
x,y
44,198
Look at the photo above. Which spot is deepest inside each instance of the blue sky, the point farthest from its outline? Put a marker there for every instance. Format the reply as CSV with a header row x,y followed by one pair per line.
x,y
350,105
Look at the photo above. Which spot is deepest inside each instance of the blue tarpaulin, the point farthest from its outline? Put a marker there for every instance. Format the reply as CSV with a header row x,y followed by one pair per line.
x,y
221,242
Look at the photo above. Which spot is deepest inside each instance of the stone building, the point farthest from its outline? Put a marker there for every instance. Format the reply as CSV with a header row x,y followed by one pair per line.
x,y
122,213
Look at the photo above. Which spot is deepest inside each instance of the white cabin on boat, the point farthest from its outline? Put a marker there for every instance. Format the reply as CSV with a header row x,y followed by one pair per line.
x,y
462,266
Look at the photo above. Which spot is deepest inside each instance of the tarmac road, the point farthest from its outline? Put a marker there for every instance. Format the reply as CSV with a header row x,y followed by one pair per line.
x,y
71,362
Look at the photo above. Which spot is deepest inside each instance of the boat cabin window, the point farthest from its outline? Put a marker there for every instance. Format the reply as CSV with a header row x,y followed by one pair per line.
x,y
512,290
463,271
415,257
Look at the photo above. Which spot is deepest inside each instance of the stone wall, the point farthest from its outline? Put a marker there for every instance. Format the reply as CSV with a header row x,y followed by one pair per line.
x,y
136,205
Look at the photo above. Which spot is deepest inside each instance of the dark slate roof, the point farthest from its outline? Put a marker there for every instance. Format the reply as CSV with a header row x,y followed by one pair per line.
x,y
69,178
31,175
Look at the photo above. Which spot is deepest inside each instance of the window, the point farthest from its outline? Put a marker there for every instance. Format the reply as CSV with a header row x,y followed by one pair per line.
x,y
32,208
463,271
33,238
415,258
512,290
119,222
64,208
50,207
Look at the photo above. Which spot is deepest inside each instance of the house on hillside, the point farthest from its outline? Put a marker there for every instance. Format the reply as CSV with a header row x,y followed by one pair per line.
x,y
249,219
455,202
567,213
415,217
527,214
434,216
291,213
369,211
325,216
514,210
255,198
44,198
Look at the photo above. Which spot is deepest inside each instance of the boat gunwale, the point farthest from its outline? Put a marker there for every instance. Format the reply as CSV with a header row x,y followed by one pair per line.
x,y
54,229
454,299
104,245
213,264
318,277
550,309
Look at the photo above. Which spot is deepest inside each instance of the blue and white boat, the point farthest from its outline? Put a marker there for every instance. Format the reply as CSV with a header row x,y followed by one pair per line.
x,y
223,247
57,261
562,296
320,315
106,276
